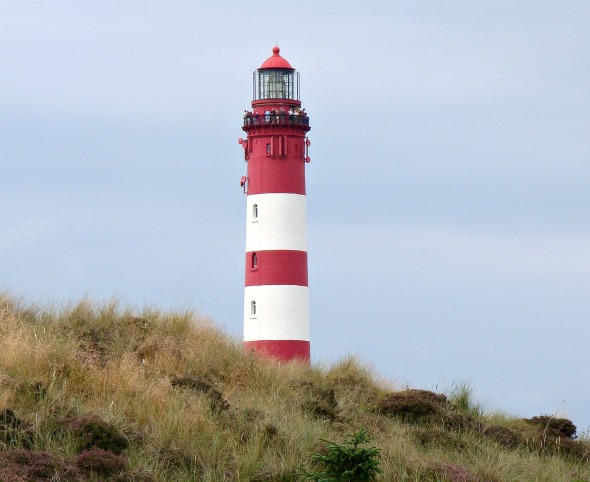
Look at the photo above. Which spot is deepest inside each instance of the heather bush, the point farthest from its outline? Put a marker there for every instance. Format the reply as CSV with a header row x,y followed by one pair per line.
x,y
35,466
101,462
95,432
412,405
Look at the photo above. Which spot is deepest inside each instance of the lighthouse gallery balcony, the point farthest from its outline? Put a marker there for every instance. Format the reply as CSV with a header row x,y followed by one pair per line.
x,y
284,119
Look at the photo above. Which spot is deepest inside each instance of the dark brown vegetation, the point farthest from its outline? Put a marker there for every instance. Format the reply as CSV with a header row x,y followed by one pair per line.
x,y
14,431
216,400
99,393
25,465
101,462
412,405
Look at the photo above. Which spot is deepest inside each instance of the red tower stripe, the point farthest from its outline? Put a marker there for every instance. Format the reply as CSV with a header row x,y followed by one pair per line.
x,y
276,267
274,175
284,350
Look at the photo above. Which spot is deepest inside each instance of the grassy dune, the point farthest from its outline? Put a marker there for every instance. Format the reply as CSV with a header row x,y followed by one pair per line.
x,y
100,392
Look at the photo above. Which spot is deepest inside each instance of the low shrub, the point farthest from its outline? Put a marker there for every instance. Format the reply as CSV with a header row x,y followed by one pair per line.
x,y
101,462
555,427
412,405
503,436
36,466
95,432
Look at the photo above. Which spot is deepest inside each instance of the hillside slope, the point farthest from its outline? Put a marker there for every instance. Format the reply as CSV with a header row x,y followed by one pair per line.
x,y
99,392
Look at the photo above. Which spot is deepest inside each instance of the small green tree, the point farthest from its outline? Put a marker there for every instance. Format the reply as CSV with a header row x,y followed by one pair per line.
x,y
346,462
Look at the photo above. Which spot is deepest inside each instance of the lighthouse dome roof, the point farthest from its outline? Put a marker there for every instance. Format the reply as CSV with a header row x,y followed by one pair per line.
x,y
276,61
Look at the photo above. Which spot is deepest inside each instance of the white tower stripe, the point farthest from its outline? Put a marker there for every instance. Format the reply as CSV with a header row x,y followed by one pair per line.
x,y
280,224
282,313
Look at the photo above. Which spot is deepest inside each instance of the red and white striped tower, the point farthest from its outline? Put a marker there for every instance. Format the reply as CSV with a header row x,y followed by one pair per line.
x,y
276,306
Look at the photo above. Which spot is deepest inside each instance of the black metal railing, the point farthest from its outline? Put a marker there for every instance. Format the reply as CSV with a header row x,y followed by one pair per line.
x,y
276,119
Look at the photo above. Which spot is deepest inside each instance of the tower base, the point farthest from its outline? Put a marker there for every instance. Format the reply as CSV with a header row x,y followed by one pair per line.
x,y
284,350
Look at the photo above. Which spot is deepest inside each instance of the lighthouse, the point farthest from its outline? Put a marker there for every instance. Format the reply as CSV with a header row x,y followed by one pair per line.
x,y
276,300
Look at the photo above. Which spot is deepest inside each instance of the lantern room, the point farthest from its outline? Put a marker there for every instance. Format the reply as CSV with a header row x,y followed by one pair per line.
x,y
276,79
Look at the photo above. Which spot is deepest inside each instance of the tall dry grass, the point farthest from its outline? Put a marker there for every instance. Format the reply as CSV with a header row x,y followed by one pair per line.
x,y
189,405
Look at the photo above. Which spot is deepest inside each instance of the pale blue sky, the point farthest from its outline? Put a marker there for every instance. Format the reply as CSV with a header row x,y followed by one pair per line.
x,y
448,199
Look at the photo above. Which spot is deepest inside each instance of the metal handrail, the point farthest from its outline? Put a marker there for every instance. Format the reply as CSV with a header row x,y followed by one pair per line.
x,y
276,119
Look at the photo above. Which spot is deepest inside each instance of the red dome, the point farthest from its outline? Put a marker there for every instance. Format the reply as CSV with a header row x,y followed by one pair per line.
x,y
276,61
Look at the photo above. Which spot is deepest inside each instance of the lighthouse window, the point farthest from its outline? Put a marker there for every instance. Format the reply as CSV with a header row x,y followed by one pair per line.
x,y
253,308
268,149
254,260
276,84
255,212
